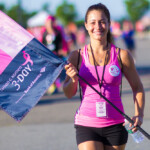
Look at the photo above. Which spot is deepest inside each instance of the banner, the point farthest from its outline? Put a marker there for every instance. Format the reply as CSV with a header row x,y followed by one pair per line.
x,y
27,69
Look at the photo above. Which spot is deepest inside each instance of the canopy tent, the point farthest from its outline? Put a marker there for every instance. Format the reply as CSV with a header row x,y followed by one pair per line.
x,y
36,24
37,20
144,22
146,19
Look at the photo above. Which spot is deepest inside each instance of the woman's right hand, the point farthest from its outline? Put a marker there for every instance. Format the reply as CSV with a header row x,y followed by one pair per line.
x,y
72,72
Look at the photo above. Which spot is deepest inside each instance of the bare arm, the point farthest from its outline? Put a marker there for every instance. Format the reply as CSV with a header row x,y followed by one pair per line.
x,y
132,76
71,81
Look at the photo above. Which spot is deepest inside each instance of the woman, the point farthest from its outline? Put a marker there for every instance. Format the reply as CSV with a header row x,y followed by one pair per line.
x,y
52,37
54,40
98,125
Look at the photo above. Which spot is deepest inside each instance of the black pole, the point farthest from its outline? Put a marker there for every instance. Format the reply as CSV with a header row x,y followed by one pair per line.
x,y
125,116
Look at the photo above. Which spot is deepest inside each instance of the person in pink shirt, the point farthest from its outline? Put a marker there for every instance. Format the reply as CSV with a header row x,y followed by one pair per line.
x,y
98,125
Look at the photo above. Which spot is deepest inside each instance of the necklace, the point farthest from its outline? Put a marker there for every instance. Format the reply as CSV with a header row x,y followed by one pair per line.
x,y
98,62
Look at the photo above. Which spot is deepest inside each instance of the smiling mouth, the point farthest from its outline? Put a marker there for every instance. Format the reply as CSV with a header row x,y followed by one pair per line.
x,y
98,32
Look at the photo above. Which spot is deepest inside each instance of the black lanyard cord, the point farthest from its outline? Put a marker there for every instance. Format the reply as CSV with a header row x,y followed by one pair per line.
x,y
100,83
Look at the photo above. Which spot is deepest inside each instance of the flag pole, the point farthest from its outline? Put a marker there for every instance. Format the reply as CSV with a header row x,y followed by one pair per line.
x,y
123,114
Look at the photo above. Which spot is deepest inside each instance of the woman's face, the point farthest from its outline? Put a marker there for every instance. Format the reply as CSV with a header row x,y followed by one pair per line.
x,y
97,25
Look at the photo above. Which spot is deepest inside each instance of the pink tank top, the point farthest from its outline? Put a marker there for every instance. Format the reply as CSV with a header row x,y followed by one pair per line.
x,y
86,114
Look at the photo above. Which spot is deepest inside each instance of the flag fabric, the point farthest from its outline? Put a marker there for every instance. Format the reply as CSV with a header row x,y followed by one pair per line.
x,y
27,69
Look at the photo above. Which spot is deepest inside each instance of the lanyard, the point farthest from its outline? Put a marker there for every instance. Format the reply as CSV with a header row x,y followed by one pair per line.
x,y
100,83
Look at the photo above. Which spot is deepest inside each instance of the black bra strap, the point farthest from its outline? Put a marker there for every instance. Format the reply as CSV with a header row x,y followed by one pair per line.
x,y
78,72
121,71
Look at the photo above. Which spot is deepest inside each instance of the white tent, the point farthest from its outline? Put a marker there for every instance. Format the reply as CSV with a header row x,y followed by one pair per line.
x,y
38,19
146,19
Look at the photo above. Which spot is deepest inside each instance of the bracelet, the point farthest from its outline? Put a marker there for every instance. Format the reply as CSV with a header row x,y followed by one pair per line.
x,y
140,118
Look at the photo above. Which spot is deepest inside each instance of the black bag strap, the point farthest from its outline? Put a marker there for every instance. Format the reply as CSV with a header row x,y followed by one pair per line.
x,y
78,59
78,72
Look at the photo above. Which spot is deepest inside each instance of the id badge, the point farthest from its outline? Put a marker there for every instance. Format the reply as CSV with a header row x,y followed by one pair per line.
x,y
101,109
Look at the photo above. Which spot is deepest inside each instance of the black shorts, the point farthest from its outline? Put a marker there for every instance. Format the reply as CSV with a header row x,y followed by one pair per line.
x,y
112,135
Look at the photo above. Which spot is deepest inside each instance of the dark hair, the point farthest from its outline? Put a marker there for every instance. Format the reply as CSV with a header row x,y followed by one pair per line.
x,y
101,7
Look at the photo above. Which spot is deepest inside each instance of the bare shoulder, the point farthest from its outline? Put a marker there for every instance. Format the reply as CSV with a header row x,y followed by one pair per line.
x,y
129,69
73,57
126,58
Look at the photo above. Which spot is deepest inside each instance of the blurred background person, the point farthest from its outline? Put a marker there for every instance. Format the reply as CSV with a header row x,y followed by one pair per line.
x,y
53,37
128,37
81,37
71,35
115,30
54,40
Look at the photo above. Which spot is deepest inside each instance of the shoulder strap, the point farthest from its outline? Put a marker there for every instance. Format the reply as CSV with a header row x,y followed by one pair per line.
x,y
78,71
121,71
120,61
78,60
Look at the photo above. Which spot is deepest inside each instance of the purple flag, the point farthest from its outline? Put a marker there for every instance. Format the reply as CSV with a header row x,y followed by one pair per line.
x,y
27,69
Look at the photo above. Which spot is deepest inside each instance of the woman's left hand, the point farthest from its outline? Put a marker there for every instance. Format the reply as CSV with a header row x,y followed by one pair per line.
x,y
138,120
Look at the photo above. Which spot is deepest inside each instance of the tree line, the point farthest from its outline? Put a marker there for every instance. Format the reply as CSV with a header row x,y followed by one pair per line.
x,y
66,12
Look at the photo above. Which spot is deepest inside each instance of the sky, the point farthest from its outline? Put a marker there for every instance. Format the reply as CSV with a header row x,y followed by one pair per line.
x,y
116,7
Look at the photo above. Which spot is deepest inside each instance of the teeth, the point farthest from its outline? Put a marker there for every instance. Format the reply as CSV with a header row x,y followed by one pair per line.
x,y
98,32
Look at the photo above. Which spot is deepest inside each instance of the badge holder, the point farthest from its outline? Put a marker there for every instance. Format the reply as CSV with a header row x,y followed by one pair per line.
x,y
101,110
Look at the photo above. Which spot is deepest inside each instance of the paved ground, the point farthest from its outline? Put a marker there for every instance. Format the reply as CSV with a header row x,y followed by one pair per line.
x,y
49,126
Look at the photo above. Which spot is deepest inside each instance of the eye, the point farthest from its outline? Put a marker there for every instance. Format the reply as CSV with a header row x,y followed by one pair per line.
x,y
92,22
103,22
